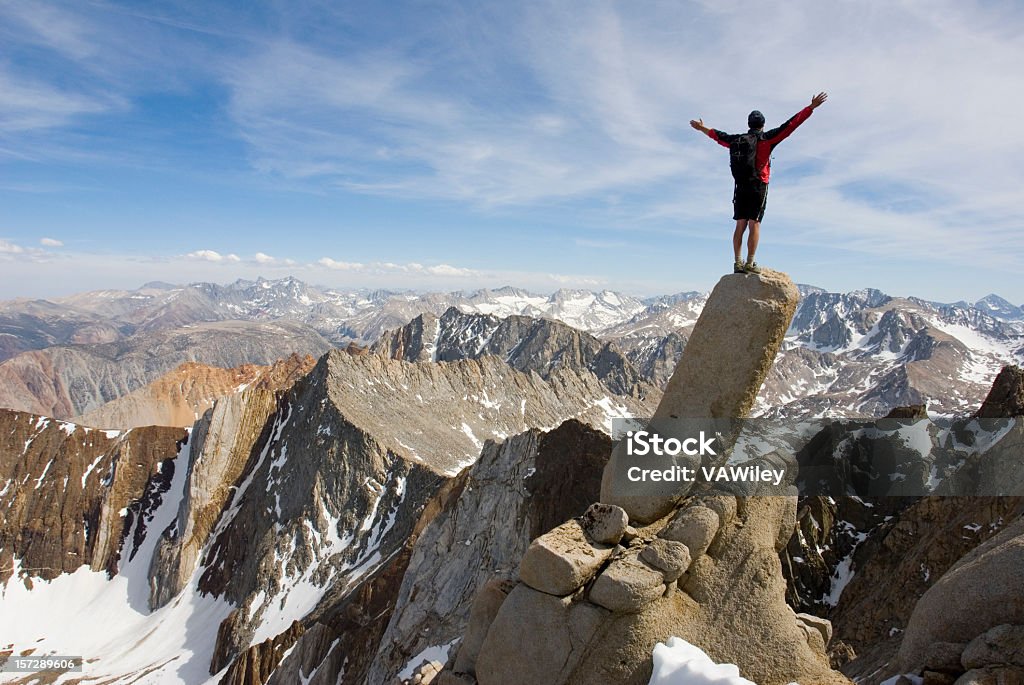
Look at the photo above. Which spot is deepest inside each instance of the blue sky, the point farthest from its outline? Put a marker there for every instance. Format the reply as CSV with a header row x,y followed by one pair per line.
x,y
443,145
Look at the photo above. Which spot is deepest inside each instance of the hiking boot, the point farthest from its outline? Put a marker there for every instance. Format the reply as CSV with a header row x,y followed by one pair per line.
x,y
737,267
751,268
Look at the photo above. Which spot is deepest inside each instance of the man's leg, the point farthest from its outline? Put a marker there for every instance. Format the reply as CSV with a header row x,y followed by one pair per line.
x,y
755,235
737,237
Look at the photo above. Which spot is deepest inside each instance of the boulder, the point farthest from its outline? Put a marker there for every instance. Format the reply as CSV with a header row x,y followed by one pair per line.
x,y
1001,645
981,591
732,605
944,657
723,505
670,557
485,607
694,527
724,364
562,560
604,524
821,625
536,638
627,585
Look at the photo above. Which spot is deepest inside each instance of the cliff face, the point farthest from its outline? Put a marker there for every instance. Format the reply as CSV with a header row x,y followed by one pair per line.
x,y
71,494
529,483
223,442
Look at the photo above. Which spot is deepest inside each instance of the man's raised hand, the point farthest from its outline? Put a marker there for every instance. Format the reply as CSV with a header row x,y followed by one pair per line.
x,y
699,125
818,99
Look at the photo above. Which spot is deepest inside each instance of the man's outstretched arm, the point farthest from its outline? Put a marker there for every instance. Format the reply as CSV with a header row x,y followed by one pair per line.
x,y
777,135
719,137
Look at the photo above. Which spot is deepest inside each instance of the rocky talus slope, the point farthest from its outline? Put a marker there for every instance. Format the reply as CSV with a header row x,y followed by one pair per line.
x,y
182,396
594,595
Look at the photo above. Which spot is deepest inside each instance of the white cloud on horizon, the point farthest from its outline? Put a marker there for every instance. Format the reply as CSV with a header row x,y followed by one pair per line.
x,y
213,256
80,272
13,252
51,242
7,247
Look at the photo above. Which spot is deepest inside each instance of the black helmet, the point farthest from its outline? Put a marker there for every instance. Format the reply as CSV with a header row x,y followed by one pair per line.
x,y
755,119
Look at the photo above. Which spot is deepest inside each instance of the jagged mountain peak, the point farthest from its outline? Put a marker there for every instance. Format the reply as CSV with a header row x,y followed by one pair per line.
x,y
999,308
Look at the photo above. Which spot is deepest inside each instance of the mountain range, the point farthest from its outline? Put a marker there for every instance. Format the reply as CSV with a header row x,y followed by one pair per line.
x,y
350,521
846,354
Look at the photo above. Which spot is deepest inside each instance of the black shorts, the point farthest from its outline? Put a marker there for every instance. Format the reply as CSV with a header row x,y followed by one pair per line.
x,y
748,201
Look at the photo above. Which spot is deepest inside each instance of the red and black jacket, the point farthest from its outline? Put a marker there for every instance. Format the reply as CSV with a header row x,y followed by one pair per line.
x,y
767,140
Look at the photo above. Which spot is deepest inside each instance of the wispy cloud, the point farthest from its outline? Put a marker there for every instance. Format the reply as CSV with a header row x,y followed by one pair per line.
x,y
30,105
412,268
603,94
51,242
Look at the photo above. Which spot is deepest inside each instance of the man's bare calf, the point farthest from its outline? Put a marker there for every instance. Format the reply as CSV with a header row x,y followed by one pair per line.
x,y
737,238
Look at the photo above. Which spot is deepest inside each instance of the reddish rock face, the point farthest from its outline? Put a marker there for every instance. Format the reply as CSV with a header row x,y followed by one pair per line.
x,y
181,397
68,493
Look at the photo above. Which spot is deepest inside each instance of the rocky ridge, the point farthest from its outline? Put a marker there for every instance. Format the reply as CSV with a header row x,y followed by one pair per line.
x,y
525,343
854,354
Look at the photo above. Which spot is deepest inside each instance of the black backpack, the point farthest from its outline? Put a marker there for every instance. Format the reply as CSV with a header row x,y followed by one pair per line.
x,y
743,158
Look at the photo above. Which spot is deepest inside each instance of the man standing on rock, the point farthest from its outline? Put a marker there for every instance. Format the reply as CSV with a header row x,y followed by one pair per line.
x,y
751,164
